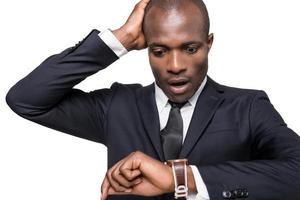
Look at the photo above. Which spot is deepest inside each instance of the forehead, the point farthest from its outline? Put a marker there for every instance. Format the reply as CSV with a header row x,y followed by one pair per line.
x,y
174,26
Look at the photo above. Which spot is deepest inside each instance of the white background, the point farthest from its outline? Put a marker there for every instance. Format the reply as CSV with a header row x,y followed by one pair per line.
x,y
256,46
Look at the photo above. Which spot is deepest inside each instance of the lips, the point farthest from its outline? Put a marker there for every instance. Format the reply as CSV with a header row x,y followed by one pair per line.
x,y
178,86
178,82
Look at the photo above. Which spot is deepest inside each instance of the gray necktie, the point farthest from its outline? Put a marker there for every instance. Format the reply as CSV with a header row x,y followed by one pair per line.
x,y
172,134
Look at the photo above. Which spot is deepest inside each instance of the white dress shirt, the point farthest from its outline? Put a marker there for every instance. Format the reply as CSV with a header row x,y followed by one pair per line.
x,y
164,109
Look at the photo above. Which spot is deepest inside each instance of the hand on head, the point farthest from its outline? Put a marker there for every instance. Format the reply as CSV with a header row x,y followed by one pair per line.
x,y
131,34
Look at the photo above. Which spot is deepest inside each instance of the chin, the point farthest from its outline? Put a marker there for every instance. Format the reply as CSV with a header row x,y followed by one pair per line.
x,y
180,98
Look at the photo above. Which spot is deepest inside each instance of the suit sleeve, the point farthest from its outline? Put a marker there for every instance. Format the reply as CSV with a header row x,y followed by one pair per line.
x,y
46,95
274,170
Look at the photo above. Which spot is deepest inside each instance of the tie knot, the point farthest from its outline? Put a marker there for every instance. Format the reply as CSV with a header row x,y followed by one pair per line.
x,y
177,105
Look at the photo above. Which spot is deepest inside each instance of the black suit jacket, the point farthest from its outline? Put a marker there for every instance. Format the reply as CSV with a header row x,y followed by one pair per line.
x,y
236,138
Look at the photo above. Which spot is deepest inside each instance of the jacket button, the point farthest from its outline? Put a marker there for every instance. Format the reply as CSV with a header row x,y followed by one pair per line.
x,y
245,192
227,194
235,193
242,192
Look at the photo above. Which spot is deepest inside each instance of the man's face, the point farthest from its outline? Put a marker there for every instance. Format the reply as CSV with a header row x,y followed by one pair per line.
x,y
178,50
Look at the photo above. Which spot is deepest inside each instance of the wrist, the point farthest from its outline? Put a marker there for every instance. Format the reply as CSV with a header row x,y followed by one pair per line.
x,y
183,178
171,188
192,187
191,180
125,38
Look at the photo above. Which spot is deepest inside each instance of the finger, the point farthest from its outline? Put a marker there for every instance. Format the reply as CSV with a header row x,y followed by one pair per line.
x,y
111,191
130,169
123,181
114,179
118,176
114,184
104,188
143,2
130,174
141,6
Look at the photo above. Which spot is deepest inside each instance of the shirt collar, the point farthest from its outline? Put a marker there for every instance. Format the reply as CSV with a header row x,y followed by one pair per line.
x,y
162,100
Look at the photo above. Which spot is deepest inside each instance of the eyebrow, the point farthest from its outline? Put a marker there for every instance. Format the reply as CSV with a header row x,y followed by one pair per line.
x,y
156,44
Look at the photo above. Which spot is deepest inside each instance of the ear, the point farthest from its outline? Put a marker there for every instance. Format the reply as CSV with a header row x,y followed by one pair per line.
x,y
210,40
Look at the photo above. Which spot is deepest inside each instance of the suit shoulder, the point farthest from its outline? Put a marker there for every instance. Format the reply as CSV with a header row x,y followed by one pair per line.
x,y
232,92
125,90
125,87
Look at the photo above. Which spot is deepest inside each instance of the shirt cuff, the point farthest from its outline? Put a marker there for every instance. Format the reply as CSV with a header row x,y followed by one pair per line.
x,y
112,42
202,192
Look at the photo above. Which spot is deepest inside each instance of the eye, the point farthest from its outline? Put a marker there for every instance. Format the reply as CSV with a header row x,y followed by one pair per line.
x,y
191,49
159,52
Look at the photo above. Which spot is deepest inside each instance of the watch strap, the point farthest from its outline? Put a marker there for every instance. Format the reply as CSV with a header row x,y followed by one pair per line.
x,y
179,168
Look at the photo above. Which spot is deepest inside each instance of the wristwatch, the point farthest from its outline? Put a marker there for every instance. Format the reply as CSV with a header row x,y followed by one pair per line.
x,y
179,168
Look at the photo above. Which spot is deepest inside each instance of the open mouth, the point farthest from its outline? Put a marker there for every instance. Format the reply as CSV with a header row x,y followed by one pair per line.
x,y
178,86
178,81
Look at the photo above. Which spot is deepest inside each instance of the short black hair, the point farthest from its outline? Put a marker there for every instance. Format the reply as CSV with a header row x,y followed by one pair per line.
x,y
175,4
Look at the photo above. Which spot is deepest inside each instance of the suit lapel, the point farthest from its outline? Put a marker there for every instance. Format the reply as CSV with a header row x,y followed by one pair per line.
x,y
208,102
148,110
206,106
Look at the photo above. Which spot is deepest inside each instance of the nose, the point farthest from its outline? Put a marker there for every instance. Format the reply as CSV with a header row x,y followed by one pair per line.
x,y
176,64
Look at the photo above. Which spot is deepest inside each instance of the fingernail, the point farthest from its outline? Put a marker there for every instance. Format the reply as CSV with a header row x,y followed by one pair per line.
x,y
137,181
128,190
